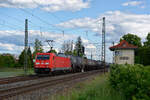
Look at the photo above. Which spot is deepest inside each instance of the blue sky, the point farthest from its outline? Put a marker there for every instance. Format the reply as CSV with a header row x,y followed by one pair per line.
x,y
48,18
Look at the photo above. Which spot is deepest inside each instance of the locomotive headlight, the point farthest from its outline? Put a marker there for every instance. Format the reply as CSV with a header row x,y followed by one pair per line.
x,y
37,63
46,63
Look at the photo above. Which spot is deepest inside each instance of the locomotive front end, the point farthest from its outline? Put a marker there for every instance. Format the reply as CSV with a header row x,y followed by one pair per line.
x,y
42,63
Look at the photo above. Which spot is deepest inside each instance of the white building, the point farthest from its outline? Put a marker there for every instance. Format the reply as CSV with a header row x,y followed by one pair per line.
x,y
123,53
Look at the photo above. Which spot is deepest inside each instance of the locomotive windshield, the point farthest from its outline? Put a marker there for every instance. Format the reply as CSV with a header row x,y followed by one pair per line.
x,y
43,57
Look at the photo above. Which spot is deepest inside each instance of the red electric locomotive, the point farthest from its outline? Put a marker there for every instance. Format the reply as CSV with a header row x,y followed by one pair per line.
x,y
49,62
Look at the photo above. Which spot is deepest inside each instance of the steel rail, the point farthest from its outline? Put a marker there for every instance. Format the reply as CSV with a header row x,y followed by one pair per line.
x,y
6,93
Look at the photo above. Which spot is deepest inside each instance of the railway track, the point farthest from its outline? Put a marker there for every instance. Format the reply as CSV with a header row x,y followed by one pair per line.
x,y
17,79
14,91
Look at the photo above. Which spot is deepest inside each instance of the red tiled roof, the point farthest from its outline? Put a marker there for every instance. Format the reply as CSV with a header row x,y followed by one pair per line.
x,y
123,45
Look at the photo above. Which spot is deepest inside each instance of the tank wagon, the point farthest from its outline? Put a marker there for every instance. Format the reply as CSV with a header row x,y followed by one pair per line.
x,y
50,62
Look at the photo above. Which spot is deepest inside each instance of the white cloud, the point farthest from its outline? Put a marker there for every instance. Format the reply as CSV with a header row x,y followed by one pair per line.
x,y
117,24
13,41
91,46
85,41
8,47
59,39
10,33
143,6
47,5
86,23
132,3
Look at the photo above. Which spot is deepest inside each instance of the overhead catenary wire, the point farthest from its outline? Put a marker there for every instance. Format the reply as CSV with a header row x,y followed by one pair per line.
x,y
43,21
15,18
9,26
37,17
18,20
46,21
56,17
13,26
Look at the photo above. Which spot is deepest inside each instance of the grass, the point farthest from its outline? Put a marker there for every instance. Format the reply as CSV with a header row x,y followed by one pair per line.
x,y
97,89
10,72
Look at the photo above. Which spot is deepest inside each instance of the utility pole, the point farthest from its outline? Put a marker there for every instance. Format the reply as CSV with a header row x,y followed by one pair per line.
x,y
71,45
113,54
91,55
103,44
86,33
63,39
63,36
63,33
26,46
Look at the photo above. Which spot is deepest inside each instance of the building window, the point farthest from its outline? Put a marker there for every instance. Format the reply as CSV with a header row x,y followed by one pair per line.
x,y
118,53
124,58
124,45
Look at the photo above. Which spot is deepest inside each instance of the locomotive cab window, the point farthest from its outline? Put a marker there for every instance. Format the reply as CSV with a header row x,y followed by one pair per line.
x,y
39,57
43,57
46,57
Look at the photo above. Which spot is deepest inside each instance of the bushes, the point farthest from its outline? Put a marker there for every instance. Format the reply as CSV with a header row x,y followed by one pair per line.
x,y
131,80
142,56
7,60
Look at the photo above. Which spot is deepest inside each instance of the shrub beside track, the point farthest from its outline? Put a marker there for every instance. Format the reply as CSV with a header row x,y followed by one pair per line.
x,y
131,80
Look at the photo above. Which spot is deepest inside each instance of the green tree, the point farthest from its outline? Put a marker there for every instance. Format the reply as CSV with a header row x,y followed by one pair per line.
x,y
29,58
67,47
132,39
21,59
52,51
38,47
69,53
147,43
146,51
146,55
7,60
79,48
143,54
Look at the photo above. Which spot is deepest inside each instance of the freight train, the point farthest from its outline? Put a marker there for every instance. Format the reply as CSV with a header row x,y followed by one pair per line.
x,y
50,62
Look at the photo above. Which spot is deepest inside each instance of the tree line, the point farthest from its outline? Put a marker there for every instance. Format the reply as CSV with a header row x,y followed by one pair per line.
x,y
79,49
8,60
142,54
